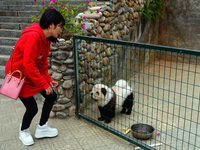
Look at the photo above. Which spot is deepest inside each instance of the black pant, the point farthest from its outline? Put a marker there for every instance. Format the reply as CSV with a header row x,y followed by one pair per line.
x,y
32,109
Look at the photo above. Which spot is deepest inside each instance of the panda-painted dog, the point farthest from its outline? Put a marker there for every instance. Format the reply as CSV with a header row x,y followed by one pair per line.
x,y
120,95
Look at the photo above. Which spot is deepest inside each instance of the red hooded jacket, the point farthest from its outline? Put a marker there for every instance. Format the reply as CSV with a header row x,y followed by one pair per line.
x,y
30,57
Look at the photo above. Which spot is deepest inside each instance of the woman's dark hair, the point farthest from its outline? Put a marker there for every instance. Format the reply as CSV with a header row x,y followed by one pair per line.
x,y
51,16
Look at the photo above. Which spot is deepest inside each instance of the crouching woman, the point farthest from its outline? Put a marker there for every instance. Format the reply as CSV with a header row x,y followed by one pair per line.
x,y
30,57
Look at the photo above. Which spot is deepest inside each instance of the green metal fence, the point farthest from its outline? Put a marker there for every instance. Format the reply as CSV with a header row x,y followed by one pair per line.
x,y
165,83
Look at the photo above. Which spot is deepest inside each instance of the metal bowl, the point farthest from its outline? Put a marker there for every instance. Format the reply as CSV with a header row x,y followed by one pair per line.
x,y
142,131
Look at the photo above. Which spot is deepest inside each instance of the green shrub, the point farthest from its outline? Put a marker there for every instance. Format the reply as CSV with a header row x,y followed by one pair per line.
x,y
69,12
152,9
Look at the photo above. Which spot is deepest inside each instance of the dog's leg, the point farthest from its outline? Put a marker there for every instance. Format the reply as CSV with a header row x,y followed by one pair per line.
x,y
102,112
107,121
123,109
109,114
129,103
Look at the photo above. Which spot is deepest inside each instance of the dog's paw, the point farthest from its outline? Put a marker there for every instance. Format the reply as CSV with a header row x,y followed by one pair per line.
x,y
123,111
128,113
107,121
101,118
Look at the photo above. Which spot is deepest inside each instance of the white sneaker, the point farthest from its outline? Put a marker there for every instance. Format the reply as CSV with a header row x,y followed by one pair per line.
x,y
25,136
45,131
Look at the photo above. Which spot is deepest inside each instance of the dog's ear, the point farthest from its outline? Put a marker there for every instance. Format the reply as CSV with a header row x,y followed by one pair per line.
x,y
104,91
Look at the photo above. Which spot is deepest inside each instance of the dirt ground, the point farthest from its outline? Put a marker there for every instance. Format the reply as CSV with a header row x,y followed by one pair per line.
x,y
166,97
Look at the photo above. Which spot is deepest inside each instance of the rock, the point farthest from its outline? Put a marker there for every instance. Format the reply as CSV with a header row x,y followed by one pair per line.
x,y
68,42
136,15
120,26
83,44
97,58
123,3
105,7
63,68
89,26
98,36
130,16
60,90
90,80
68,104
57,76
108,52
54,61
131,10
91,16
117,6
105,36
64,100
52,48
116,20
72,110
105,61
67,84
96,24
71,54
102,19
115,35
99,29
102,24
69,93
110,19
52,114
106,13
106,27
66,47
122,18
94,8
69,61
58,107
121,11
61,55
67,77
84,87
88,57
94,76
68,72
61,115
94,32
108,34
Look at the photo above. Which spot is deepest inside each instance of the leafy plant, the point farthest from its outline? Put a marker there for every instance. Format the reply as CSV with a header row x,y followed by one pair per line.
x,y
152,9
69,12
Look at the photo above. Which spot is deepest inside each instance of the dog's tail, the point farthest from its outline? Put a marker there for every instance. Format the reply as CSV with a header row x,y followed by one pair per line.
x,y
121,84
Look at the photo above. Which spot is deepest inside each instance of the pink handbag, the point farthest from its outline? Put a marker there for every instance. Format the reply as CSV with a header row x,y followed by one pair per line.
x,y
12,86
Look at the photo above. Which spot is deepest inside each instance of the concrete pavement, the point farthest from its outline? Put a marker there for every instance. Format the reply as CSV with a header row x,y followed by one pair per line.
x,y
74,134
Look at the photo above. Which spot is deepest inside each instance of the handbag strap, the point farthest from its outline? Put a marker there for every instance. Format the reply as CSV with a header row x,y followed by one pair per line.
x,y
11,60
11,63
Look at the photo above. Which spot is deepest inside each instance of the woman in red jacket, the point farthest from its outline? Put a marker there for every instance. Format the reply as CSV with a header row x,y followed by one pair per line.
x,y
30,57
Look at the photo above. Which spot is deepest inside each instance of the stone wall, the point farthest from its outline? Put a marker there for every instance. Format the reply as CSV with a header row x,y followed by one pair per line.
x,y
61,69
117,21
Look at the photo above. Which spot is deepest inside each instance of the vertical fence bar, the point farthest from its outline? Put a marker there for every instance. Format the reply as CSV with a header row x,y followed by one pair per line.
x,y
76,67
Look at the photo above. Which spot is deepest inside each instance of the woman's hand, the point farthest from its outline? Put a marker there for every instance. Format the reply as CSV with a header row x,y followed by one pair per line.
x,y
49,90
54,84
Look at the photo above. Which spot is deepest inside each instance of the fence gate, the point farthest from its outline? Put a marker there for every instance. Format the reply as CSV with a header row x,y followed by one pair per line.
x,y
165,82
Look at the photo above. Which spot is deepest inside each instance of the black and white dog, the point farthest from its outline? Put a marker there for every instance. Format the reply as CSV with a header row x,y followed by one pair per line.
x,y
120,95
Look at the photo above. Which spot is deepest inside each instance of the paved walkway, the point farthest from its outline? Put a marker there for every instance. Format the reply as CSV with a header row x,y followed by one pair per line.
x,y
74,134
